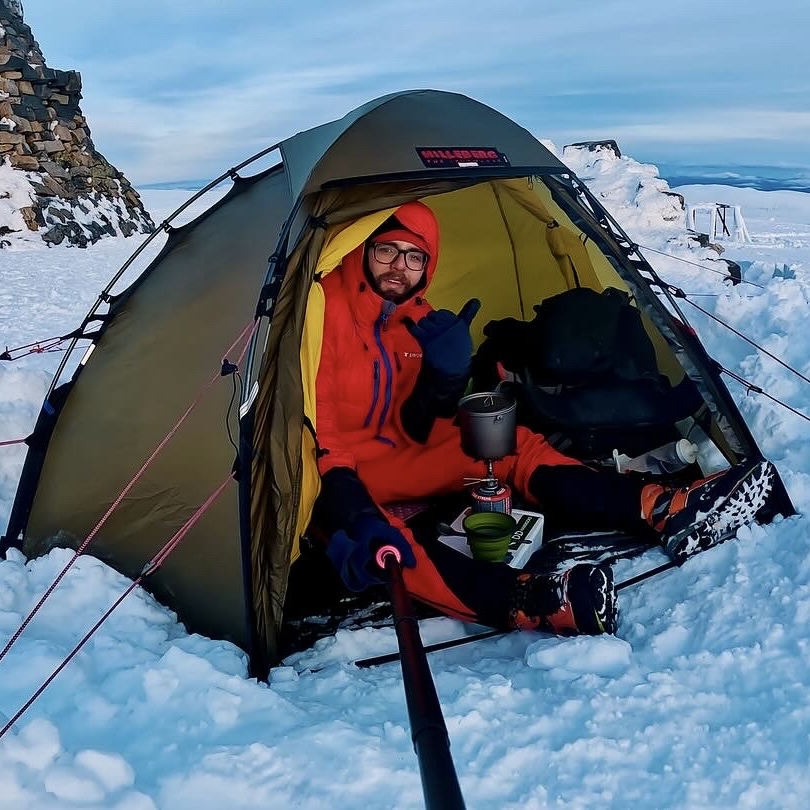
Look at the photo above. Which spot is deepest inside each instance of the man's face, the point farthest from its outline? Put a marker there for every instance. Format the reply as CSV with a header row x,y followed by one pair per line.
x,y
396,268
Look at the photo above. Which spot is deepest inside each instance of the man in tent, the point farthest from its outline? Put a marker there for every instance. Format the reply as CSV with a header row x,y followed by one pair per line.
x,y
391,373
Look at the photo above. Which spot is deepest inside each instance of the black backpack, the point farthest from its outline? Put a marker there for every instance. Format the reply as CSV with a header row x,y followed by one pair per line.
x,y
583,373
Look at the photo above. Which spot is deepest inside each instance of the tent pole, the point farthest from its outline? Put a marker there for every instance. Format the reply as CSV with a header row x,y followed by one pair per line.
x,y
431,743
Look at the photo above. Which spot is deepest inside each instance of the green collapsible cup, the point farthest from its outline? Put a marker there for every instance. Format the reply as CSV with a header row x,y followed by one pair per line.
x,y
489,534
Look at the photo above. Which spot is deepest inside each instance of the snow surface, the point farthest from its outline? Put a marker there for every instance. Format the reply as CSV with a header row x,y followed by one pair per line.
x,y
700,700
16,192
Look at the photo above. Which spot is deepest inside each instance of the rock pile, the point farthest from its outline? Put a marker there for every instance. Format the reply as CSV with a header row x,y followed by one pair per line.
x,y
75,194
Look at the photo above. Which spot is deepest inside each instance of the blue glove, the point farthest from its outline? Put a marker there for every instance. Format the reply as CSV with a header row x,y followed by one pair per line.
x,y
354,556
445,338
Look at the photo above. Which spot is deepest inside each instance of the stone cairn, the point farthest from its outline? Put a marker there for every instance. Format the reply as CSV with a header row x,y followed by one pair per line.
x,y
44,135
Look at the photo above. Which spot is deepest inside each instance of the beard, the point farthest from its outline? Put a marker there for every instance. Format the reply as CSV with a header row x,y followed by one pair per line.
x,y
397,294
405,289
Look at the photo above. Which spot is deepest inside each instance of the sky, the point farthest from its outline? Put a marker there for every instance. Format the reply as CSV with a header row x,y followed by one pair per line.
x,y
698,701
183,90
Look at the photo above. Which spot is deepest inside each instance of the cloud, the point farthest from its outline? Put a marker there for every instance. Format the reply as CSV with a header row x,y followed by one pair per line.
x,y
175,90
727,125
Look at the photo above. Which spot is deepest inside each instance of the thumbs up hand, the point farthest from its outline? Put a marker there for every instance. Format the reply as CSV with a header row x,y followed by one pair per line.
x,y
445,339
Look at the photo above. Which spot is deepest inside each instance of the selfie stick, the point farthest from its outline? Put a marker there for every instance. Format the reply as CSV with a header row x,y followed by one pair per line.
x,y
431,743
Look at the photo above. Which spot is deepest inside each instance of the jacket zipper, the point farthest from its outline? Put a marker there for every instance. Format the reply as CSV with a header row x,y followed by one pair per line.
x,y
375,394
382,321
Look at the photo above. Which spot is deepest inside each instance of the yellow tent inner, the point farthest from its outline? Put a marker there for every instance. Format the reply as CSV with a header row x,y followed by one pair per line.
x,y
505,242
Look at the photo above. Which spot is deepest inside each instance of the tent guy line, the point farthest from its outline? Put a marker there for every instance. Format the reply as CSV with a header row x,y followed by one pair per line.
x,y
697,264
752,388
678,293
244,337
148,569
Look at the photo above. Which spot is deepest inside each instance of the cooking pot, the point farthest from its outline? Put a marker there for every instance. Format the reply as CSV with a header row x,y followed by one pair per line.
x,y
488,425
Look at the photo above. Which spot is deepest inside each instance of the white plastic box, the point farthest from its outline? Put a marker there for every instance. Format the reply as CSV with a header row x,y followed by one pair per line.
x,y
527,539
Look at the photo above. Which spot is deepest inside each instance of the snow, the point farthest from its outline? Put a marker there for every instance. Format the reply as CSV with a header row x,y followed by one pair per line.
x,y
15,193
698,701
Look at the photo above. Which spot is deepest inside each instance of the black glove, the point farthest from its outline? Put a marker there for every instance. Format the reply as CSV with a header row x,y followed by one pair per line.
x,y
446,357
356,528
343,501
354,557
445,339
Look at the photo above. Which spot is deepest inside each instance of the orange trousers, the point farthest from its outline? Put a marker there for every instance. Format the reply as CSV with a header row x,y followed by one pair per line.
x,y
442,577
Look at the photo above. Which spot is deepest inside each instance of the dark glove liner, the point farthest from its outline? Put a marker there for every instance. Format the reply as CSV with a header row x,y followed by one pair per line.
x,y
355,556
343,500
434,396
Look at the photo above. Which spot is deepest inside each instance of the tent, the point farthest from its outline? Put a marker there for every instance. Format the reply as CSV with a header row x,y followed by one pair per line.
x,y
516,225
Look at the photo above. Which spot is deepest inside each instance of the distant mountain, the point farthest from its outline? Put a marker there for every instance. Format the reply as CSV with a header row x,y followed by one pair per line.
x,y
182,185
763,178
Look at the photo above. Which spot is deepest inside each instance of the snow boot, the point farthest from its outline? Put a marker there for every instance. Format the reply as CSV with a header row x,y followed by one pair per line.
x,y
708,511
581,600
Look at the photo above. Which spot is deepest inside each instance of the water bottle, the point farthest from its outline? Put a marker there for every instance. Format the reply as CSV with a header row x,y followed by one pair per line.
x,y
664,460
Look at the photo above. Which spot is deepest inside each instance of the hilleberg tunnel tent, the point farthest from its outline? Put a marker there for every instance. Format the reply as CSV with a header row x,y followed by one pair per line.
x,y
516,227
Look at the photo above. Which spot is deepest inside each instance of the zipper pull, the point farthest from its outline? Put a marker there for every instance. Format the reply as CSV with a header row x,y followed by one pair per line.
x,y
388,309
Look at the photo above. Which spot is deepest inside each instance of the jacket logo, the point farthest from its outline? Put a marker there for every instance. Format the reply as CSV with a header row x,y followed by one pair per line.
x,y
417,355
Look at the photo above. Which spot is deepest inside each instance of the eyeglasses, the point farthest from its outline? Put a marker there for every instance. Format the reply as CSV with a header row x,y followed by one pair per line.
x,y
385,253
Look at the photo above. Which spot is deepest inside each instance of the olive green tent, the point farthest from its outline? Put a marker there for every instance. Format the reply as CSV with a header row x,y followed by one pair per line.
x,y
516,225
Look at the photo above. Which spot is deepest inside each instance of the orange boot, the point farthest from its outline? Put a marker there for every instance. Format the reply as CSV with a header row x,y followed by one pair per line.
x,y
581,600
708,511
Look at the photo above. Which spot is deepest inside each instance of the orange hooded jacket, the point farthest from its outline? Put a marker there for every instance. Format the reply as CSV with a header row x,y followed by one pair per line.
x,y
369,360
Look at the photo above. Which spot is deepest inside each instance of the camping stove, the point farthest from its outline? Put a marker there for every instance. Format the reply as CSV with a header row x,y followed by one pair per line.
x,y
488,433
490,495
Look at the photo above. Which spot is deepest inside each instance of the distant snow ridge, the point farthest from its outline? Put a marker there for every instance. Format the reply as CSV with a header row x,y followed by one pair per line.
x,y
647,203
644,204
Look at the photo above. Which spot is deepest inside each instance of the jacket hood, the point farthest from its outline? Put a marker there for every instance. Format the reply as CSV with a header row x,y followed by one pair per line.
x,y
412,219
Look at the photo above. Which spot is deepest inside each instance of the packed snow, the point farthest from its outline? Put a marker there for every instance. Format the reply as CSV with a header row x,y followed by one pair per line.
x,y
16,192
700,700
